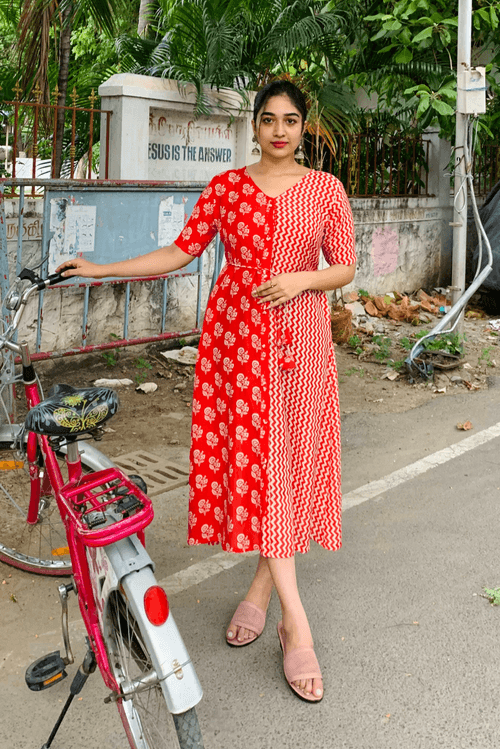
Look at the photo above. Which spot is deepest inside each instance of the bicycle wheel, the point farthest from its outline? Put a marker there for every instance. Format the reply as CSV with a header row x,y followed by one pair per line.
x,y
41,548
145,716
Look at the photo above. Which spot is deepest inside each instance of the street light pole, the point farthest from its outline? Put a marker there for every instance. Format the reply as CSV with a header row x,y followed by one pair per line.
x,y
460,204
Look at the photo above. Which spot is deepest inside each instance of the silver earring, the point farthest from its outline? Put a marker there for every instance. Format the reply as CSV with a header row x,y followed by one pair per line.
x,y
299,154
255,149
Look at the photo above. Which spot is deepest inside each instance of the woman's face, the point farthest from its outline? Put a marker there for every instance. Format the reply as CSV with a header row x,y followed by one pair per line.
x,y
279,127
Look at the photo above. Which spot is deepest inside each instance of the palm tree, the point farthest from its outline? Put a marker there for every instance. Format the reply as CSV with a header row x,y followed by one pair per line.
x,y
243,43
147,10
37,19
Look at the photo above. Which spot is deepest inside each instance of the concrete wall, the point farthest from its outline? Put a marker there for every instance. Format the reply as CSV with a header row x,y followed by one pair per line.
x,y
402,243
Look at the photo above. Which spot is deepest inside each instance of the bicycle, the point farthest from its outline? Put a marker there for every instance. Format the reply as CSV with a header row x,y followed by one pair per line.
x,y
91,526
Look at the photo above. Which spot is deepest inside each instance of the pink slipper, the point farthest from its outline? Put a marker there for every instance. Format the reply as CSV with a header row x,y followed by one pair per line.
x,y
249,616
299,664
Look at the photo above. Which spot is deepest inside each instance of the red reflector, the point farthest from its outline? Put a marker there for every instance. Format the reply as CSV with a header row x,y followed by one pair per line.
x,y
156,605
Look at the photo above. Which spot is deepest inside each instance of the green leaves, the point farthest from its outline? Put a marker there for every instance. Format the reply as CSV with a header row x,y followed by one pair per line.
x,y
442,107
239,43
404,35
423,104
424,34
433,102
404,55
392,25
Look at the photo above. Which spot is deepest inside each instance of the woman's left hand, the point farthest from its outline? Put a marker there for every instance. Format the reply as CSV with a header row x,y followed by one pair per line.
x,y
280,289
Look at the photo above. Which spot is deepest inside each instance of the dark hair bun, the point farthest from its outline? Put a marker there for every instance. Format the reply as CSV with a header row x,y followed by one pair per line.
x,y
280,88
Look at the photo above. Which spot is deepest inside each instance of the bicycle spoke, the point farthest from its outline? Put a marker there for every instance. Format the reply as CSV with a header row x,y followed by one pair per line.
x,y
41,547
131,662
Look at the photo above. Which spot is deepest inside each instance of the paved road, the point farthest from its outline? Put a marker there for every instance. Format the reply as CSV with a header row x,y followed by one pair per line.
x,y
407,644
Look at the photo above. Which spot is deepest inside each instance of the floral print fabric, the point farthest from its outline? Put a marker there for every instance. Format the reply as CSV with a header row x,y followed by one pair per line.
x,y
265,454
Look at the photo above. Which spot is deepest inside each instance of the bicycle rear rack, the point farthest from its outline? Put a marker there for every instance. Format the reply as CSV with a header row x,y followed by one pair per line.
x,y
93,503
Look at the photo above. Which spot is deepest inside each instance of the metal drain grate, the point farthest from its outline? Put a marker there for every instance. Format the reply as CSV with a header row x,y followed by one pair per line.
x,y
159,475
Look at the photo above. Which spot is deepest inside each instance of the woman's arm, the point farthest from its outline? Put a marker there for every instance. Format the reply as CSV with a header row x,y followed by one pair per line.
x,y
280,289
163,260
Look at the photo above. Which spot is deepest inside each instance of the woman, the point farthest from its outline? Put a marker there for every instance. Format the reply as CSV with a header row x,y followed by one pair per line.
x,y
265,454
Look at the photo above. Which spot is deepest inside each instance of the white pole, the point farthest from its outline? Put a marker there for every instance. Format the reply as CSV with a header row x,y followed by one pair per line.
x,y
460,212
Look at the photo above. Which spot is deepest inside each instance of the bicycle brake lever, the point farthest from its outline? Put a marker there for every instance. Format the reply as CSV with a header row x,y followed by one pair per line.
x,y
28,275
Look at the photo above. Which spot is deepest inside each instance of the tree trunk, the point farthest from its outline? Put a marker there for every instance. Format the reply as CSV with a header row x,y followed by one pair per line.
x,y
62,84
145,11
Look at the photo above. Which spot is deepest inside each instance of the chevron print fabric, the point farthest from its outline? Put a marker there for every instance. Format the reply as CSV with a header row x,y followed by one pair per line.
x,y
265,453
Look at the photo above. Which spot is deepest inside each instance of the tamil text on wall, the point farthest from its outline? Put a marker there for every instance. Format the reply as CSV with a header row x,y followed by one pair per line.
x,y
184,149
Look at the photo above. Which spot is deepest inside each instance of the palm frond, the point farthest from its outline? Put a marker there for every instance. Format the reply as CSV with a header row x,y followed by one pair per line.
x,y
33,44
9,11
291,33
134,53
103,12
332,109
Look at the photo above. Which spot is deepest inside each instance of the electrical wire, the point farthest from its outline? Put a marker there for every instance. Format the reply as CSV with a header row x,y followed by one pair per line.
x,y
453,316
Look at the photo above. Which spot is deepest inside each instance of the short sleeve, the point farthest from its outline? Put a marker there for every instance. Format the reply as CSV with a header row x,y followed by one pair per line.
x,y
204,221
338,239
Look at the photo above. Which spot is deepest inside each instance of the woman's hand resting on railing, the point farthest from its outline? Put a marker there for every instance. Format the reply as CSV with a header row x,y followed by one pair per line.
x,y
160,261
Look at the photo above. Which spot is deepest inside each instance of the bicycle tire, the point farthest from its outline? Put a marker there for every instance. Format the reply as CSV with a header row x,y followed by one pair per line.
x,y
146,718
41,548
188,730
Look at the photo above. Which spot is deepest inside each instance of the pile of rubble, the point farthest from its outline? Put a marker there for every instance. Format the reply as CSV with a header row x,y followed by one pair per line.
x,y
395,306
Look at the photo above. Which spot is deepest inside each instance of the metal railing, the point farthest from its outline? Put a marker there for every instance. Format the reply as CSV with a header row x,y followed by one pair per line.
x,y
486,168
89,288
31,132
371,165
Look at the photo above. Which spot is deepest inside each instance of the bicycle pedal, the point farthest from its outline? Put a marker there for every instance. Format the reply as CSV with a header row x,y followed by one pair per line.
x,y
45,672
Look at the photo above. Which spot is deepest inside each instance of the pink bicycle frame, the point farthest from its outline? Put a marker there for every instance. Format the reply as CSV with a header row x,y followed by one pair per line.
x,y
83,491
72,498
52,479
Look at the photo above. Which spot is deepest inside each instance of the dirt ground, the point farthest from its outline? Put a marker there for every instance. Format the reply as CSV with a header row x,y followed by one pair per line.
x,y
371,370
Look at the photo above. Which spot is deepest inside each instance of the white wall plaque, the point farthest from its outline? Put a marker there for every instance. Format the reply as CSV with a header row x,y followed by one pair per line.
x,y
184,149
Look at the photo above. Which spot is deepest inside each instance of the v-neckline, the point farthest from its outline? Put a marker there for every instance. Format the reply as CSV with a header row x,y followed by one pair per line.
x,y
292,187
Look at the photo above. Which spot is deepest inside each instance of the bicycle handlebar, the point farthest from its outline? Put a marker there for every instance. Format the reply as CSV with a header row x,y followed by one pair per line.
x,y
41,283
55,278
16,301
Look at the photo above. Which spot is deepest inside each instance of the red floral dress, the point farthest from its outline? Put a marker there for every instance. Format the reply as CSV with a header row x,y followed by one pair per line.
x,y
265,452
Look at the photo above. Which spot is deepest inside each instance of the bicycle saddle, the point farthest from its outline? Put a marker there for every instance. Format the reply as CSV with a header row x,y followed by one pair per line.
x,y
70,411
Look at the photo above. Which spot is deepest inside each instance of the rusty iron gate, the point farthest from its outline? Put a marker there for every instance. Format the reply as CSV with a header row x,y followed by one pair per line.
x,y
112,221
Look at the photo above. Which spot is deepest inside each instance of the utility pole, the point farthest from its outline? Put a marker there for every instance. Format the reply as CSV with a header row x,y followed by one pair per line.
x,y
471,100
460,218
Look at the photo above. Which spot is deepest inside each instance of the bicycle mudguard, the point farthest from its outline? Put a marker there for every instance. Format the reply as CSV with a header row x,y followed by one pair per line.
x,y
93,458
132,570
